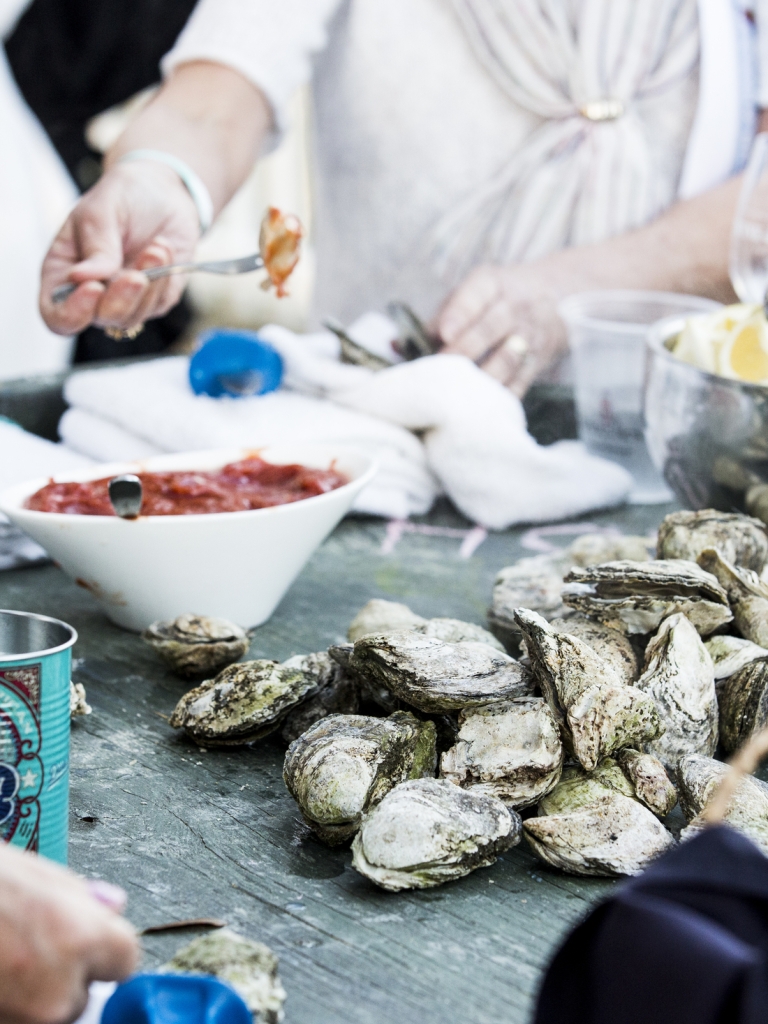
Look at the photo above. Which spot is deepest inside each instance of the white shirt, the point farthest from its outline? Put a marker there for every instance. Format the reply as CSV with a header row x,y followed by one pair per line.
x,y
408,124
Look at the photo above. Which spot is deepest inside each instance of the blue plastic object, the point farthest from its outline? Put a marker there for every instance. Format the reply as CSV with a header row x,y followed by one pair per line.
x,y
175,999
234,363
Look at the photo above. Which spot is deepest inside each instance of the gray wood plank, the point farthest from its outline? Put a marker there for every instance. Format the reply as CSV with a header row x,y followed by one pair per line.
x,y
191,833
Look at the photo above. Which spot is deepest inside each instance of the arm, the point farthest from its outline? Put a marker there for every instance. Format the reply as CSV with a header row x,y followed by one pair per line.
x,y
55,938
683,250
139,214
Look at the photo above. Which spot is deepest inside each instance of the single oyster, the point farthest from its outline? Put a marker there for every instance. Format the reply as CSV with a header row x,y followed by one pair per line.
x,y
747,594
246,702
731,653
533,583
78,704
196,645
338,694
596,548
455,631
744,704
740,539
697,779
612,646
379,616
435,676
680,678
427,832
634,597
577,788
345,764
593,824
536,582
595,710
650,780
249,967
509,749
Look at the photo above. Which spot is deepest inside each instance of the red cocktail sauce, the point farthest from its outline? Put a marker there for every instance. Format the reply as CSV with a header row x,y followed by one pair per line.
x,y
248,484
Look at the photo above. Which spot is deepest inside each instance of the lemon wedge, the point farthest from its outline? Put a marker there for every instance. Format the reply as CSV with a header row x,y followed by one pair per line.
x,y
731,342
747,354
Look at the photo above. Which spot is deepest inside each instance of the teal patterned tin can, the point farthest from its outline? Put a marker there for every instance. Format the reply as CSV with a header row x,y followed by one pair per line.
x,y
35,673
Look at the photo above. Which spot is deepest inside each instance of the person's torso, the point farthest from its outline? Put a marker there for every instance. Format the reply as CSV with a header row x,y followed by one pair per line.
x,y
409,123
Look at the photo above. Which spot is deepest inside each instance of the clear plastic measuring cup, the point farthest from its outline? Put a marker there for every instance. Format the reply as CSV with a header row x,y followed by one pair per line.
x,y
607,332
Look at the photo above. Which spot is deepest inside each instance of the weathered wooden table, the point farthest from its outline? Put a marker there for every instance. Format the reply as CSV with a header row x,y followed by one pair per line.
x,y
192,834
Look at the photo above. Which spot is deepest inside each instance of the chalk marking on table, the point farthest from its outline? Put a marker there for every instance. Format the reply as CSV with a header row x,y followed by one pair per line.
x,y
470,539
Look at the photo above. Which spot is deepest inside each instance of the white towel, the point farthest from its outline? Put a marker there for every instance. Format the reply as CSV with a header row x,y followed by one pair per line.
x,y
436,419
23,456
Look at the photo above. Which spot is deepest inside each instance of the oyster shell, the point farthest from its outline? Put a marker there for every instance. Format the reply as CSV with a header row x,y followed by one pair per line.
x,y
680,678
697,779
650,780
249,967
634,597
596,548
427,832
533,583
612,646
509,749
744,704
380,616
338,694
454,631
435,676
246,702
740,539
196,645
747,594
78,702
597,712
577,788
610,834
345,764
731,653
536,582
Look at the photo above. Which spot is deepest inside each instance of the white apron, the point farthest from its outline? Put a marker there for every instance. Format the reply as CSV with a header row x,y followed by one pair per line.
x,y
36,194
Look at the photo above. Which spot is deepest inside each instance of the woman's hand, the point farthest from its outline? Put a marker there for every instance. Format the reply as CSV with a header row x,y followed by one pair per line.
x,y
55,938
138,215
505,319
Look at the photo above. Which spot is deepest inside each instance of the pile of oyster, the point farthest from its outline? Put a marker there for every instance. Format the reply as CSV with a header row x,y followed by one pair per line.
x,y
600,698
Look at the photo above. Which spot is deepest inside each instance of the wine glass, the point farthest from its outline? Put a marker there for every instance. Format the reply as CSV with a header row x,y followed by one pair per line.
x,y
748,262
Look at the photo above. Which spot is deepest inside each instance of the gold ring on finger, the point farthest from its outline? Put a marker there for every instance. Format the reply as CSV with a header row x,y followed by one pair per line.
x,y
124,334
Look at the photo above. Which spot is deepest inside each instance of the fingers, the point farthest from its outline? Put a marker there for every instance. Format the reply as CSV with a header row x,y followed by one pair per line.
x,y
114,951
466,306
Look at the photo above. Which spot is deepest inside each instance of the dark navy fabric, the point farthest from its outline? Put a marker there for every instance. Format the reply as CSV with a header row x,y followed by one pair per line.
x,y
684,943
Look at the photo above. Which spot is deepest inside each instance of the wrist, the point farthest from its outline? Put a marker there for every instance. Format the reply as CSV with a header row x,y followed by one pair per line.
x,y
189,178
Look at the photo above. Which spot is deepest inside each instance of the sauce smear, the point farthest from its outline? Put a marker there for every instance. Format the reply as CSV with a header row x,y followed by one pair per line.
x,y
238,487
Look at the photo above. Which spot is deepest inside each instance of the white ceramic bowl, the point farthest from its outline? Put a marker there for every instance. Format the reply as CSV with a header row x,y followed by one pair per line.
x,y
237,565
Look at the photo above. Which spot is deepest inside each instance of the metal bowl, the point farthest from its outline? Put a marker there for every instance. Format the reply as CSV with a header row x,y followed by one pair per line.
x,y
707,434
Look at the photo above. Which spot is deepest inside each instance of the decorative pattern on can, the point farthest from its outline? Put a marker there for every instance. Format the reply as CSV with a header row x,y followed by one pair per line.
x,y
35,668
21,770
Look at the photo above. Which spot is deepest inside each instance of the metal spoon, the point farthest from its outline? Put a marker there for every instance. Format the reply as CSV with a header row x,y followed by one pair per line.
x,y
125,493
242,265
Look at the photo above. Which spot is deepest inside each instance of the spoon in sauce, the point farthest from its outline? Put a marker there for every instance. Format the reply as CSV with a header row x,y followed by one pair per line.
x,y
125,493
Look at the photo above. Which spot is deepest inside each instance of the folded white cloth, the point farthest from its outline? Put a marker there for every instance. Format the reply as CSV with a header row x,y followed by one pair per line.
x,y
436,422
135,411
22,457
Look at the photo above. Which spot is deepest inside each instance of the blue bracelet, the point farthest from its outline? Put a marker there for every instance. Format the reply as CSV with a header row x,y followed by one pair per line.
x,y
192,181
